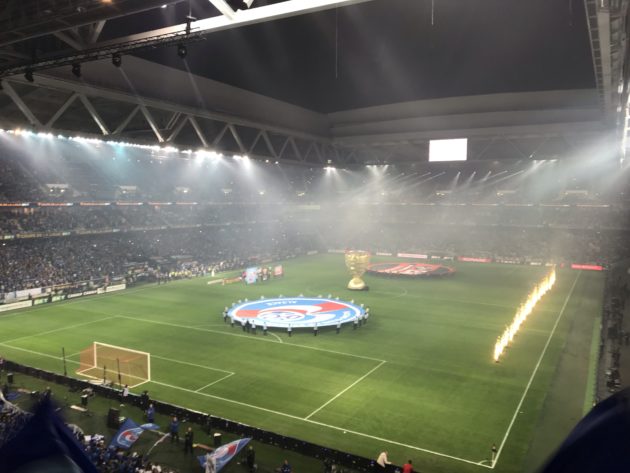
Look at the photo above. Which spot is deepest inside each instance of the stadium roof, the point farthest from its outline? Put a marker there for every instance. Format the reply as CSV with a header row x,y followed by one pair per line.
x,y
370,79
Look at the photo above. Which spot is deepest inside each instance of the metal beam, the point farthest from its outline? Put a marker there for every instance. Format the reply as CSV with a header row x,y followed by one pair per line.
x,y
283,147
269,145
66,38
237,138
94,91
94,114
78,19
61,110
152,124
95,31
119,129
177,129
251,16
296,150
173,120
199,131
220,135
10,91
255,142
224,8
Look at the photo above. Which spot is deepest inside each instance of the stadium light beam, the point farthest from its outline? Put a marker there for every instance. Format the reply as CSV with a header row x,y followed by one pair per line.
x,y
523,312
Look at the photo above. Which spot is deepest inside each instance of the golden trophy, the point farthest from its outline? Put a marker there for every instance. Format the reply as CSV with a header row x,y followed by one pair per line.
x,y
357,263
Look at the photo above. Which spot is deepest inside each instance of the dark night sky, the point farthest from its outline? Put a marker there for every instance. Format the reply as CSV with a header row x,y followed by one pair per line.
x,y
388,51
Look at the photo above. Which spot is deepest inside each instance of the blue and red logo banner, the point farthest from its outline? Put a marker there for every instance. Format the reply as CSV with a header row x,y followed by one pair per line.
x,y
222,455
126,435
296,312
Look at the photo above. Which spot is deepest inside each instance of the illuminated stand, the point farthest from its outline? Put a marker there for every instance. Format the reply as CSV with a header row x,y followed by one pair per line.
x,y
523,312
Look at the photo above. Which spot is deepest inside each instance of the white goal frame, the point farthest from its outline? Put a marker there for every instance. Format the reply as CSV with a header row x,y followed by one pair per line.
x,y
95,346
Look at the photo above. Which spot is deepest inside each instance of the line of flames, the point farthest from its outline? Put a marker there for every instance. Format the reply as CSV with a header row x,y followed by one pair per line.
x,y
523,312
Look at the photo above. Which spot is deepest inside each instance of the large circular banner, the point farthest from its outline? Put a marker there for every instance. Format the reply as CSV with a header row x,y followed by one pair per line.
x,y
296,312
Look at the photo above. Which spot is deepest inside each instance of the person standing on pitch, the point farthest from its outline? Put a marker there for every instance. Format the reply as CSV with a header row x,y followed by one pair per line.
x,y
188,440
125,395
151,414
408,467
250,459
174,430
382,460
494,452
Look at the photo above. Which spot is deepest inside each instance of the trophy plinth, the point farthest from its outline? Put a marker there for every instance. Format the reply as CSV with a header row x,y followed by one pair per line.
x,y
357,263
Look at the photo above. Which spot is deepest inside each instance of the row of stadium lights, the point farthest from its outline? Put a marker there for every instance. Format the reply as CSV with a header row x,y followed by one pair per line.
x,y
200,154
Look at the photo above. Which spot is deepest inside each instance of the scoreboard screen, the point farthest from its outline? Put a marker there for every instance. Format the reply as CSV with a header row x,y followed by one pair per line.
x,y
448,150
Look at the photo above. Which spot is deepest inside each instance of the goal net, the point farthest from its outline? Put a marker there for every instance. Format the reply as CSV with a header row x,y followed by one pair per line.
x,y
117,365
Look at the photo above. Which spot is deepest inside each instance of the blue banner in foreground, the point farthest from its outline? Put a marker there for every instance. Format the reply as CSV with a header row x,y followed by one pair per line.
x,y
213,462
127,434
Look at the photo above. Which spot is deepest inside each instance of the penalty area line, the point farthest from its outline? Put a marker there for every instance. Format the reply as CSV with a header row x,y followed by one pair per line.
x,y
214,382
533,375
271,411
343,391
321,424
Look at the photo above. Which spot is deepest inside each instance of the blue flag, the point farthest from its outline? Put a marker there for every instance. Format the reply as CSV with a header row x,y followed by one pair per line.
x,y
44,438
126,435
222,455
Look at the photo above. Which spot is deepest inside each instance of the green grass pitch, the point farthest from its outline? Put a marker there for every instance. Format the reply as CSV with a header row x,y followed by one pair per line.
x,y
417,379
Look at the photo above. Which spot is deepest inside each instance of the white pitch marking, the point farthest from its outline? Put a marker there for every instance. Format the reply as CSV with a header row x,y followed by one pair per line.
x,y
190,364
346,389
250,338
214,382
66,327
334,427
275,335
531,378
283,414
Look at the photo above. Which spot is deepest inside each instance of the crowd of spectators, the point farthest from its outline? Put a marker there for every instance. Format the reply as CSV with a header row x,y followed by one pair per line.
x,y
12,419
45,262
268,211
115,460
128,217
57,261
615,334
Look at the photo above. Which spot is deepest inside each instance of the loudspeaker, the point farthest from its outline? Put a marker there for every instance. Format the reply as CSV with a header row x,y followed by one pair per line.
x,y
113,418
10,378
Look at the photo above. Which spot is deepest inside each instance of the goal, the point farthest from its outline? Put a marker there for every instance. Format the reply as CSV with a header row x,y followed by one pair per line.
x,y
117,365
